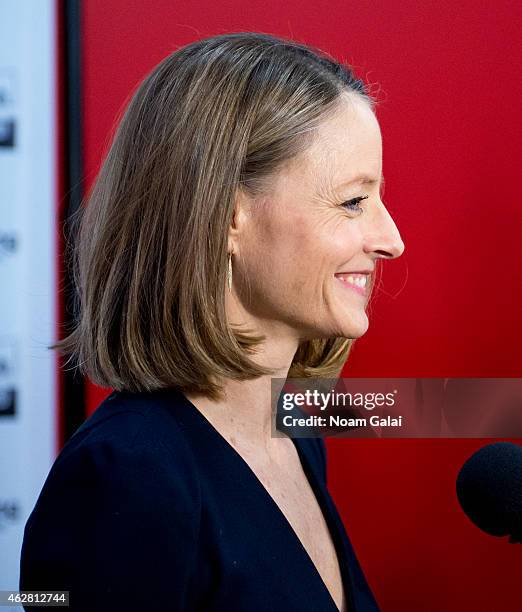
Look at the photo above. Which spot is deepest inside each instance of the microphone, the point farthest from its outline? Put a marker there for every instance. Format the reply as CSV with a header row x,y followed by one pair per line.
x,y
489,490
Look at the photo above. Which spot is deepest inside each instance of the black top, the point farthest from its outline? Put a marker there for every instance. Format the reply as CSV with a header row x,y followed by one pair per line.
x,y
148,507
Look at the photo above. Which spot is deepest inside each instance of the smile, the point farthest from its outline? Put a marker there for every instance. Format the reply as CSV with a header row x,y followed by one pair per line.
x,y
356,282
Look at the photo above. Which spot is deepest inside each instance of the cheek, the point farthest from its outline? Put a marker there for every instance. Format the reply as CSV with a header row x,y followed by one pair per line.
x,y
308,251
345,241
282,242
296,250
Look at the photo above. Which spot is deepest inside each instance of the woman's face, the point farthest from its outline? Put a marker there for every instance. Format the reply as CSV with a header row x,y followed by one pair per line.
x,y
303,256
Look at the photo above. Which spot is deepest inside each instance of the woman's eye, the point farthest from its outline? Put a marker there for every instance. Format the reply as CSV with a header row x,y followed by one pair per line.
x,y
353,204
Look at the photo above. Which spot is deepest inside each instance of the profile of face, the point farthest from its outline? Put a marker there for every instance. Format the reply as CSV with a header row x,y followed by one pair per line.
x,y
304,255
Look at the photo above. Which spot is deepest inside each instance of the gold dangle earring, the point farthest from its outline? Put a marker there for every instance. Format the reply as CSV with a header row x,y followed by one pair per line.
x,y
229,274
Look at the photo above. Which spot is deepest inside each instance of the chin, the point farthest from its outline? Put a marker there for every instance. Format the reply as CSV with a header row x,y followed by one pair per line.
x,y
344,326
352,334
355,329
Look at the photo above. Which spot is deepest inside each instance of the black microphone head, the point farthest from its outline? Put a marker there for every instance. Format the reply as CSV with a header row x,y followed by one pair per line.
x,y
489,489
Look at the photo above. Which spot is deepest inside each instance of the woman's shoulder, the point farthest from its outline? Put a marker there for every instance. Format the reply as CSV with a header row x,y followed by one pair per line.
x,y
130,449
131,423
123,487
133,418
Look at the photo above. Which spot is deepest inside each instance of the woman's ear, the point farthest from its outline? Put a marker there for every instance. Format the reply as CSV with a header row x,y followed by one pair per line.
x,y
242,204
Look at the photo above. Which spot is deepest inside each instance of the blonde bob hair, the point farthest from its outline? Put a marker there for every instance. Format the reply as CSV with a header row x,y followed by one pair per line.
x,y
150,256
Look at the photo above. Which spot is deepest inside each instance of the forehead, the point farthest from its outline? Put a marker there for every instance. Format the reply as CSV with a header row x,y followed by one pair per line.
x,y
347,145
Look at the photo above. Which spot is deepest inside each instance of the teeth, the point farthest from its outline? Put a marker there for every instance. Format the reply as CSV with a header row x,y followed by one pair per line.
x,y
358,281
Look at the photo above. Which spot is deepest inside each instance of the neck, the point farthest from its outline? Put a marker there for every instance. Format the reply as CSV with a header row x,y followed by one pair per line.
x,y
244,415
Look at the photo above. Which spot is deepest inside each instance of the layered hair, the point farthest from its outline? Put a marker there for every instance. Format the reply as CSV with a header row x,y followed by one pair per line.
x,y
150,252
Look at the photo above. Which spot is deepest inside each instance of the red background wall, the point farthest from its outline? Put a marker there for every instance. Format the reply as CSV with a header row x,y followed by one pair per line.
x,y
448,75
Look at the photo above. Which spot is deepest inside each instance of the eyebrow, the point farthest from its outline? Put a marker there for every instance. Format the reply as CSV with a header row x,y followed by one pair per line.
x,y
365,179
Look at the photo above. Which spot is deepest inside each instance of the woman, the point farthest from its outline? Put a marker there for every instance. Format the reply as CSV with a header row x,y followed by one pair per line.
x,y
231,237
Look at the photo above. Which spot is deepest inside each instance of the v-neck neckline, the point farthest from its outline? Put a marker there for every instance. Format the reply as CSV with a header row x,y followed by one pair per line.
x,y
322,501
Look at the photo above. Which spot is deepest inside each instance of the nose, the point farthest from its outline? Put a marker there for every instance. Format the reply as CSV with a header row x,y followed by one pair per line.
x,y
383,239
